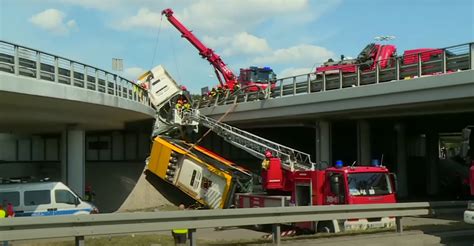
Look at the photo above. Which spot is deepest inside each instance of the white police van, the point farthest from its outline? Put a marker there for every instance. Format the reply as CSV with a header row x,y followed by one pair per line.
x,y
43,199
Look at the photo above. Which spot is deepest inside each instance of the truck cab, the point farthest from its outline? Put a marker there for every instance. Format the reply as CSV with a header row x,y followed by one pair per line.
x,y
343,185
256,78
358,185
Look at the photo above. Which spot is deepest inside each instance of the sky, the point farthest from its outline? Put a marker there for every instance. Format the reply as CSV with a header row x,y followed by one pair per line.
x,y
291,36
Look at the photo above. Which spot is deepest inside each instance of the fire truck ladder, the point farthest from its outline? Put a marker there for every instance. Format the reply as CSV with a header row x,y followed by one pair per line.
x,y
291,159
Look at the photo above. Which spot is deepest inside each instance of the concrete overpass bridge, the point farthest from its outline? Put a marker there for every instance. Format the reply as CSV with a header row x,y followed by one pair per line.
x,y
59,111
58,114
404,113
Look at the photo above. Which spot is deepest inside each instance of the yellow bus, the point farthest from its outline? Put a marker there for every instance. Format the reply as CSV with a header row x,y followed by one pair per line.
x,y
205,176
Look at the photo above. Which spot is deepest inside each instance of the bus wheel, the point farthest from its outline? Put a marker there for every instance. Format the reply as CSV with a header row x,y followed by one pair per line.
x,y
325,227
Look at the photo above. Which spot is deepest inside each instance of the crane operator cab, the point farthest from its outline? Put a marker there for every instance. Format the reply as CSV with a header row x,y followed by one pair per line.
x,y
256,78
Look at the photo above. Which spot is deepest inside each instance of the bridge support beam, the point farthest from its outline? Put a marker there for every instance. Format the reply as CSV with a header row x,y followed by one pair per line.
x,y
401,160
73,159
432,157
363,142
323,141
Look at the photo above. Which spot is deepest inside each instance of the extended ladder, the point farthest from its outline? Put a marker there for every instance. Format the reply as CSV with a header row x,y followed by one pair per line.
x,y
291,159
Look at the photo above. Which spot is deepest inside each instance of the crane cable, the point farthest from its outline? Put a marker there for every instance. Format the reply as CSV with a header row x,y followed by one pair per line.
x,y
156,43
174,59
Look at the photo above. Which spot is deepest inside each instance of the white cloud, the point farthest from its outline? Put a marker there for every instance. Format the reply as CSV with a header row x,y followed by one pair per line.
x,y
114,5
300,54
144,18
240,43
288,72
208,16
53,20
239,15
133,72
94,4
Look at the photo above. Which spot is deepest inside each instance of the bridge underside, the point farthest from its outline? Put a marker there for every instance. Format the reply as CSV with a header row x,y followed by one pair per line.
x,y
409,145
35,114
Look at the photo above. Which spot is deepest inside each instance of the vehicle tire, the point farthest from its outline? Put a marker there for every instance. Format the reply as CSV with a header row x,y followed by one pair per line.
x,y
261,227
325,227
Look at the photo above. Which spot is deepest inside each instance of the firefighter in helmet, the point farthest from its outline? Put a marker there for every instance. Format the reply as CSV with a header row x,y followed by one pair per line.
x,y
179,104
186,105
236,87
213,93
220,91
266,161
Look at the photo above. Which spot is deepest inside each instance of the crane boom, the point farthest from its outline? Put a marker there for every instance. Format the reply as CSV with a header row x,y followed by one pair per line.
x,y
219,66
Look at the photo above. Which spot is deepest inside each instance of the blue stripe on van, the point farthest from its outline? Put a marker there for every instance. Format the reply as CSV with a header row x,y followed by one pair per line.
x,y
50,213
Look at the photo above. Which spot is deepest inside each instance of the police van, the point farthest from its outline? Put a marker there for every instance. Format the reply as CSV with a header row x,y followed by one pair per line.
x,y
43,199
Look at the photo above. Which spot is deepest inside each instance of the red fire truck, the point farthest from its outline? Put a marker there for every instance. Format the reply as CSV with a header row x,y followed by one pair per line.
x,y
326,186
373,54
468,149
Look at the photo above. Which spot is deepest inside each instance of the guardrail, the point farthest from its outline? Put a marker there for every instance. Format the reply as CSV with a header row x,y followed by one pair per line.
x,y
24,228
447,60
32,63
447,207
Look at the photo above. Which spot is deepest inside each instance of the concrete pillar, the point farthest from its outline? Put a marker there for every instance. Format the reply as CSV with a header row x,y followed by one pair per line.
x,y
323,142
432,157
63,156
363,142
73,159
401,160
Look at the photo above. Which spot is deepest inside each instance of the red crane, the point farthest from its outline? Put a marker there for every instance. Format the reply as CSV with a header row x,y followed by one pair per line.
x,y
254,78
219,66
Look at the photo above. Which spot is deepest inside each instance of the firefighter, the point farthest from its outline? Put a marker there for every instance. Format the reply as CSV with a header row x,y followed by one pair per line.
x,y
89,195
180,235
10,211
220,91
213,93
266,161
179,104
236,87
185,92
3,214
186,105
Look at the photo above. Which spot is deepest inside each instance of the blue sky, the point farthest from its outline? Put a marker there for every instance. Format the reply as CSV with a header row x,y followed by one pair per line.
x,y
291,36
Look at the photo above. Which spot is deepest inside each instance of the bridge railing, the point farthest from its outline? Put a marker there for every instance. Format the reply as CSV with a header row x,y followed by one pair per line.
x,y
429,63
32,63
26,228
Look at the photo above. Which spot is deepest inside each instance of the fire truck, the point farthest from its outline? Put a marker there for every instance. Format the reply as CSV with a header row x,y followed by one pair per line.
x,y
249,79
468,152
381,56
288,176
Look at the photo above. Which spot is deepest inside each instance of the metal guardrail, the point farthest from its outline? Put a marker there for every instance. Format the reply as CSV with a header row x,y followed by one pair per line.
x,y
451,59
25,228
447,207
32,63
